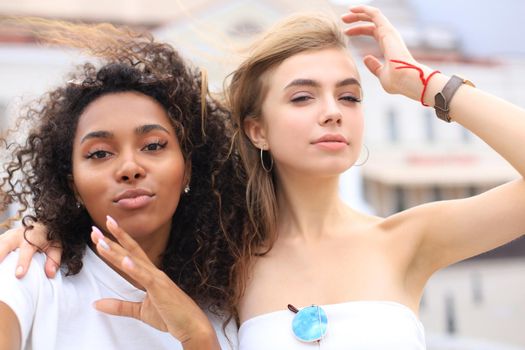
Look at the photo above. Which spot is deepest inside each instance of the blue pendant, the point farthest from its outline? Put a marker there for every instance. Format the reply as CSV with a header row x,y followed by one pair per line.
x,y
310,324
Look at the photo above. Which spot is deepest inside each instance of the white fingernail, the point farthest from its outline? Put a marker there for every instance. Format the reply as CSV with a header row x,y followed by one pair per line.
x,y
103,244
97,232
110,221
19,271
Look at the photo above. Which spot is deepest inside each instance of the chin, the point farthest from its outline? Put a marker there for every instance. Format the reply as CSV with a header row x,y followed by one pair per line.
x,y
138,225
333,168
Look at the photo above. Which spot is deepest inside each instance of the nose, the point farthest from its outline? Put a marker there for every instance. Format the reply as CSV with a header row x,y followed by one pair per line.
x,y
130,170
331,114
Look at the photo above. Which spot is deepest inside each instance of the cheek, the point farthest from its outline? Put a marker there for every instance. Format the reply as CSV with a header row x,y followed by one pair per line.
x,y
357,126
91,189
91,185
93,193
87,182
171,176
287,125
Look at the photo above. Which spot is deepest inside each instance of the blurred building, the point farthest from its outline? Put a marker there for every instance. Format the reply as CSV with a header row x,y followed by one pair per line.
x,y
414,157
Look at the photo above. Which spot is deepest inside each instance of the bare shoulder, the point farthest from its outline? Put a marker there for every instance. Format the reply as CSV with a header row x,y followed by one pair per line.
x,y
405,223
394,239
400,235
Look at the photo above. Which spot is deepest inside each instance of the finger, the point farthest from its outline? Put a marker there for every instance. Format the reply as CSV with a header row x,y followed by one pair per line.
x,y
118,307
131,309
36,234
141,270
116,254
355,17
107,248
147,275
53,259
374,15
373,65
390,41
371,12
369,30
25,254
10,240
125,239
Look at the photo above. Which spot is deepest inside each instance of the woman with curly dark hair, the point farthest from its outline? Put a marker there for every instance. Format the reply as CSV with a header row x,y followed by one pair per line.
x,y
314,272
138,142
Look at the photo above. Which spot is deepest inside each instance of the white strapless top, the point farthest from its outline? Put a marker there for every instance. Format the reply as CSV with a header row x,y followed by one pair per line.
x,y
359,325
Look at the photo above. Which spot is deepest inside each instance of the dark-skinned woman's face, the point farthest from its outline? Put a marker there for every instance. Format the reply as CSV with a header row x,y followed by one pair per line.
x,y
127,163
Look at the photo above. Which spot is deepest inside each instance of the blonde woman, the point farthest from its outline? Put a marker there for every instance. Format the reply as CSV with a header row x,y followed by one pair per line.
x,y
314,272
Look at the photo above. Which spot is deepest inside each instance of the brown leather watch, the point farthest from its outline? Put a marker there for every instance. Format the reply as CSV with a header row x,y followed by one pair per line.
x,y
443,98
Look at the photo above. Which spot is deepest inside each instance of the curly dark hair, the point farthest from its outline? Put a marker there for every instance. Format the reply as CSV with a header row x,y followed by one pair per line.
x,y
201,250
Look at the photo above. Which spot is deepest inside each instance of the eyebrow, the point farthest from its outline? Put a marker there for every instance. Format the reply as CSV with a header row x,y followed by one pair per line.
x,y
141,130
313,83
97,135
144,129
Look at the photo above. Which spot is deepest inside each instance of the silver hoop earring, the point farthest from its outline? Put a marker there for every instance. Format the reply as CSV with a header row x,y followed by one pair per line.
x,y
366,157
266,168
187,189
78,205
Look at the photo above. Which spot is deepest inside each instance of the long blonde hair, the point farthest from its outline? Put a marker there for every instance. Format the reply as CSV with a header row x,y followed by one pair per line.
x,y
245,95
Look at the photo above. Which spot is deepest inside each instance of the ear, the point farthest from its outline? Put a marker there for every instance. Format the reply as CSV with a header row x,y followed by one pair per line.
x,y
254,129
73,188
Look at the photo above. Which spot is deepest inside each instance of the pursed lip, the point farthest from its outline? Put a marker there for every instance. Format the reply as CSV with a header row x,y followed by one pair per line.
x,y
331,138
134,193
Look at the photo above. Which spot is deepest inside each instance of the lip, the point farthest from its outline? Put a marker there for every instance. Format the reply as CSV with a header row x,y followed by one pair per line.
x,y
331,142
331,138
134,198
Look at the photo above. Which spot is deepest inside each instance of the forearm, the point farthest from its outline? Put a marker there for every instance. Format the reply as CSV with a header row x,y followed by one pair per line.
x,y
497,122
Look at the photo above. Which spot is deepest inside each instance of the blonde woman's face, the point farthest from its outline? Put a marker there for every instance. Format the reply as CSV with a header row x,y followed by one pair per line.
x,y
312,117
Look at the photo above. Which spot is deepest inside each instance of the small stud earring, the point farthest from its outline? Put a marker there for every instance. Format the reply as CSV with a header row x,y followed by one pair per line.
x,y
187,189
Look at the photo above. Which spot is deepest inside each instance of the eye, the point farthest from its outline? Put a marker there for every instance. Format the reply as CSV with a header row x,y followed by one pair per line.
x,y
301,98
100,154
350,98
154,146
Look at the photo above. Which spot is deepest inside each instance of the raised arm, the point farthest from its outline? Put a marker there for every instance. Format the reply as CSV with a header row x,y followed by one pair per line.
x,y
444,232
166,307
10,336
29,243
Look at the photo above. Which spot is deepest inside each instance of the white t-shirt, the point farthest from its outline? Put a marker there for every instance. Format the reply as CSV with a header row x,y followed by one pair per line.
x,y
57,313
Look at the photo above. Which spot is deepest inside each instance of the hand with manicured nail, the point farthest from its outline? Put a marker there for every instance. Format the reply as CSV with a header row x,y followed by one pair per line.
x,y
29,243
165,307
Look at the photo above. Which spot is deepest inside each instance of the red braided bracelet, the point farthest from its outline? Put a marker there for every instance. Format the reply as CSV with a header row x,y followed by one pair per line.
x,y
421,77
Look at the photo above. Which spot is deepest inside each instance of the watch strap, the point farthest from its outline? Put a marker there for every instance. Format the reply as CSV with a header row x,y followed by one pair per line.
x,y
443,98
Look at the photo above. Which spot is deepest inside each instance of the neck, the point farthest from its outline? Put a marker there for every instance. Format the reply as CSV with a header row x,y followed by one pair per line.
x,y
308,206
154,245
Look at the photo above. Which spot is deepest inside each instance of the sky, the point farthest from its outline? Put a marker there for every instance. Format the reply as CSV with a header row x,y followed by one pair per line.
x,y
485,27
